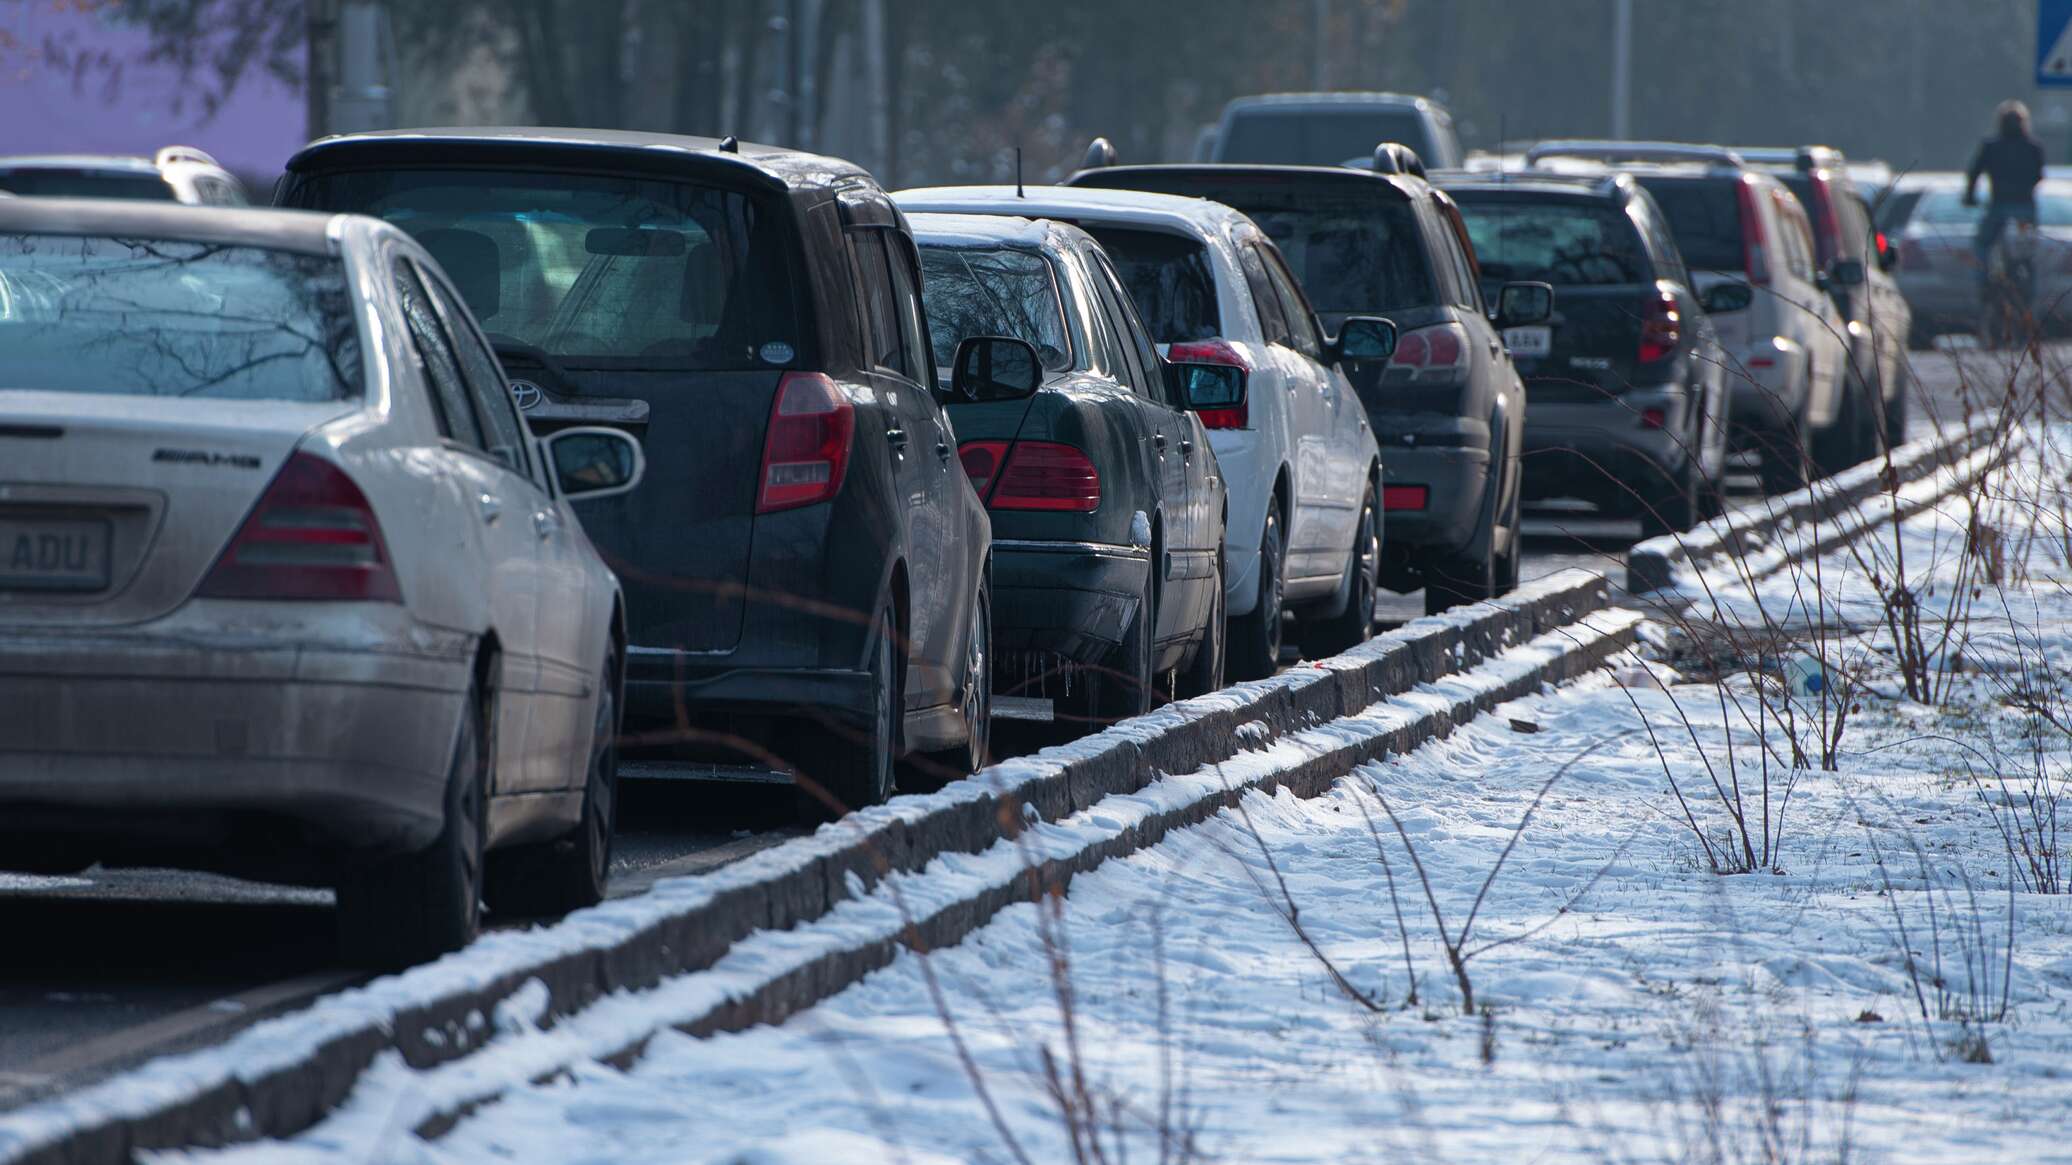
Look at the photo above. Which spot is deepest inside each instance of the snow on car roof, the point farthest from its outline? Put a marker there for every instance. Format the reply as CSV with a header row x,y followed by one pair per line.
x,y
1197,217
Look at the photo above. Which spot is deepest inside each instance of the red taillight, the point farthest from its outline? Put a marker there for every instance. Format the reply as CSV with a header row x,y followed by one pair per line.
x,y
1755,258
806,447
312,536
1661,327
1038,475
1404,497
1653,418
1438,352
981,463
1215,352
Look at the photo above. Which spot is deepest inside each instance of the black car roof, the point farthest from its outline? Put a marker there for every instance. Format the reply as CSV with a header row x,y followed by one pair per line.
x,y
1342,177
772,165
303,231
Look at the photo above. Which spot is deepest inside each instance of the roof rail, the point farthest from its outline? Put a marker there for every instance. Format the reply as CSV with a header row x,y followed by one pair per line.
x,y
171,154
1797,157
1610,151
1099,153
1397,158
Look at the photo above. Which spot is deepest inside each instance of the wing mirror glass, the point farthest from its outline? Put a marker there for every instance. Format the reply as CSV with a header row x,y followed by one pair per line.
x,y
1725,297
594,462
1365,338
989,368
1522,303
1207,387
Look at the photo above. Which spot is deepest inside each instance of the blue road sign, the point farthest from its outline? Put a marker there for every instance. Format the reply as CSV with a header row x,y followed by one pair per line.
x,y
2054,44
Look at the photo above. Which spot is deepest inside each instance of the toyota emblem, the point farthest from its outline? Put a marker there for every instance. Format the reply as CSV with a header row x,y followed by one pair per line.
x,y
526,394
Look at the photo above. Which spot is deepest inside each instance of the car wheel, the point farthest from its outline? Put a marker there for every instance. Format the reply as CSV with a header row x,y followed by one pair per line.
x,y
1514,550
1255,638
1673,507
1854,434
975,709
1896,414
569,873
849,767
1781,461
1205,673
406,910
1352,626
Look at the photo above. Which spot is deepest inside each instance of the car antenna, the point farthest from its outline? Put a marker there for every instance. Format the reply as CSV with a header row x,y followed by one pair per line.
x,y
1018,173
730,144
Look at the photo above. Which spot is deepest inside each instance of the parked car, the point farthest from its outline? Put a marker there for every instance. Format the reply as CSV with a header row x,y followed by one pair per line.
x,y
1299,460
1324,129
1750,251
1447,408
279,554
1626,385
174,174
1857,262
806,565
1931,230
1107,504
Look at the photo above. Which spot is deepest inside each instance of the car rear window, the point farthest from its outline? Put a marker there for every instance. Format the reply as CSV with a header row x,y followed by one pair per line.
x,y
58,183
1705,216
162,317
1320,137
1002,291
1563,241
596,269
1354,254
1169,279
1945,208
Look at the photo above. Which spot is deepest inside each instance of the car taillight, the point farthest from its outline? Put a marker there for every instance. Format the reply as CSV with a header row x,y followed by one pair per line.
x,y
1661,327
1437,352
311,536
1755,258
1037,475
806,447
1215,352
1404,497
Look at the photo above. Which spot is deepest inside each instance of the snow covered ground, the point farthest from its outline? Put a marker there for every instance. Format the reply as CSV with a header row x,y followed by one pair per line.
x,y
1887,983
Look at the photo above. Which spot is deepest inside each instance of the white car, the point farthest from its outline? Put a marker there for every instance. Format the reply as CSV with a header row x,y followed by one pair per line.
x,y
1300,461
287,590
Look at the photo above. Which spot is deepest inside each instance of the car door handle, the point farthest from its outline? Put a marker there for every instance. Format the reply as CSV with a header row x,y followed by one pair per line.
x,y
1496,347
897,436
492,508
1186,448
1159,440
942,450
544,523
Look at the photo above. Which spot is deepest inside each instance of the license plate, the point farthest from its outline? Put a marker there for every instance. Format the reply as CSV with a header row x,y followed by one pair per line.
x,y
1533,341
43,554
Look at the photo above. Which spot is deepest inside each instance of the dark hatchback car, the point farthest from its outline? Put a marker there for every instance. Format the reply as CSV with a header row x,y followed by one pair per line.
x,y
1448,409
805,549
1107,503
1628,401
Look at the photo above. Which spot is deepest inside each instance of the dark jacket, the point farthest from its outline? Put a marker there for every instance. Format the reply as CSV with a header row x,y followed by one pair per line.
x,y
2012,163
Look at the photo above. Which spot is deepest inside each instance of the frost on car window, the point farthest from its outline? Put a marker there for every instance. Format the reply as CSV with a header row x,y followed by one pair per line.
x,y
1002,291
162,317
1564,242
1168,279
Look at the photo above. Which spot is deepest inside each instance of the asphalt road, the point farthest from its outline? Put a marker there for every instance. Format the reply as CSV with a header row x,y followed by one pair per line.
x,y
102,970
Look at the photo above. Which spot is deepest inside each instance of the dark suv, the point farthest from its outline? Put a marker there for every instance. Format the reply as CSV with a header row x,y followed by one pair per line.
x,y
805,548
1448,408
1628,395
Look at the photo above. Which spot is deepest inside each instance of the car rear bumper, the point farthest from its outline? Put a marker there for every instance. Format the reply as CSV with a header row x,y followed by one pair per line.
x,y
660,683
1453,479
1072,598
232,735
1250,463
1599,450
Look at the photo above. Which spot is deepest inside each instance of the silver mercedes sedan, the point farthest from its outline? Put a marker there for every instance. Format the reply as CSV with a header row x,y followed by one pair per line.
x,y
287,589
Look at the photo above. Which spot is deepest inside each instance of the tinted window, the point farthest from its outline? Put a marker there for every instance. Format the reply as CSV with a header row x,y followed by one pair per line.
x,y
1705,217
1129,367
1321,137
158,317
906,307
1273,326
1169,280
1135,335
1302,326
882,326
1563,241
436,360
484,379
596,269
42,183
1354,254
1460,254
1001,292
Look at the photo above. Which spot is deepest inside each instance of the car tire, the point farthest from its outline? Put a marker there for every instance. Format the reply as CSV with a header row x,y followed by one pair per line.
x,y
568,873
1674,506
1254,639
1854,435
1920,339
1896,414
1781,464
1204,674
846,767
1351,627
412,908
975,709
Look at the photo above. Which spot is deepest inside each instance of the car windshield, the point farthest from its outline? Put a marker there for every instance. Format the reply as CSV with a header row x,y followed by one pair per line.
x,y
1354,253
161,317
1944,207
1705,216
1566,241
597,270
51,182
1168,277
992,291
1320,137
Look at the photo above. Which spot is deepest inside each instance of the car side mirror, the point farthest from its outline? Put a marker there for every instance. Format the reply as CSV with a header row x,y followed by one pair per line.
x,y
593,462
1363,338
1726,297
1888,255
1519,304
989,368
1847,273
1207,387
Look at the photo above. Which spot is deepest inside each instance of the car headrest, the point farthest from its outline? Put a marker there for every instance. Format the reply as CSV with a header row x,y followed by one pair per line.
x,y
471,260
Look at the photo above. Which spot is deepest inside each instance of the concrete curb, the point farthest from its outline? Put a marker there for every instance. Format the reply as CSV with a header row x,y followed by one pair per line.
x,y
280,1077
1661,564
